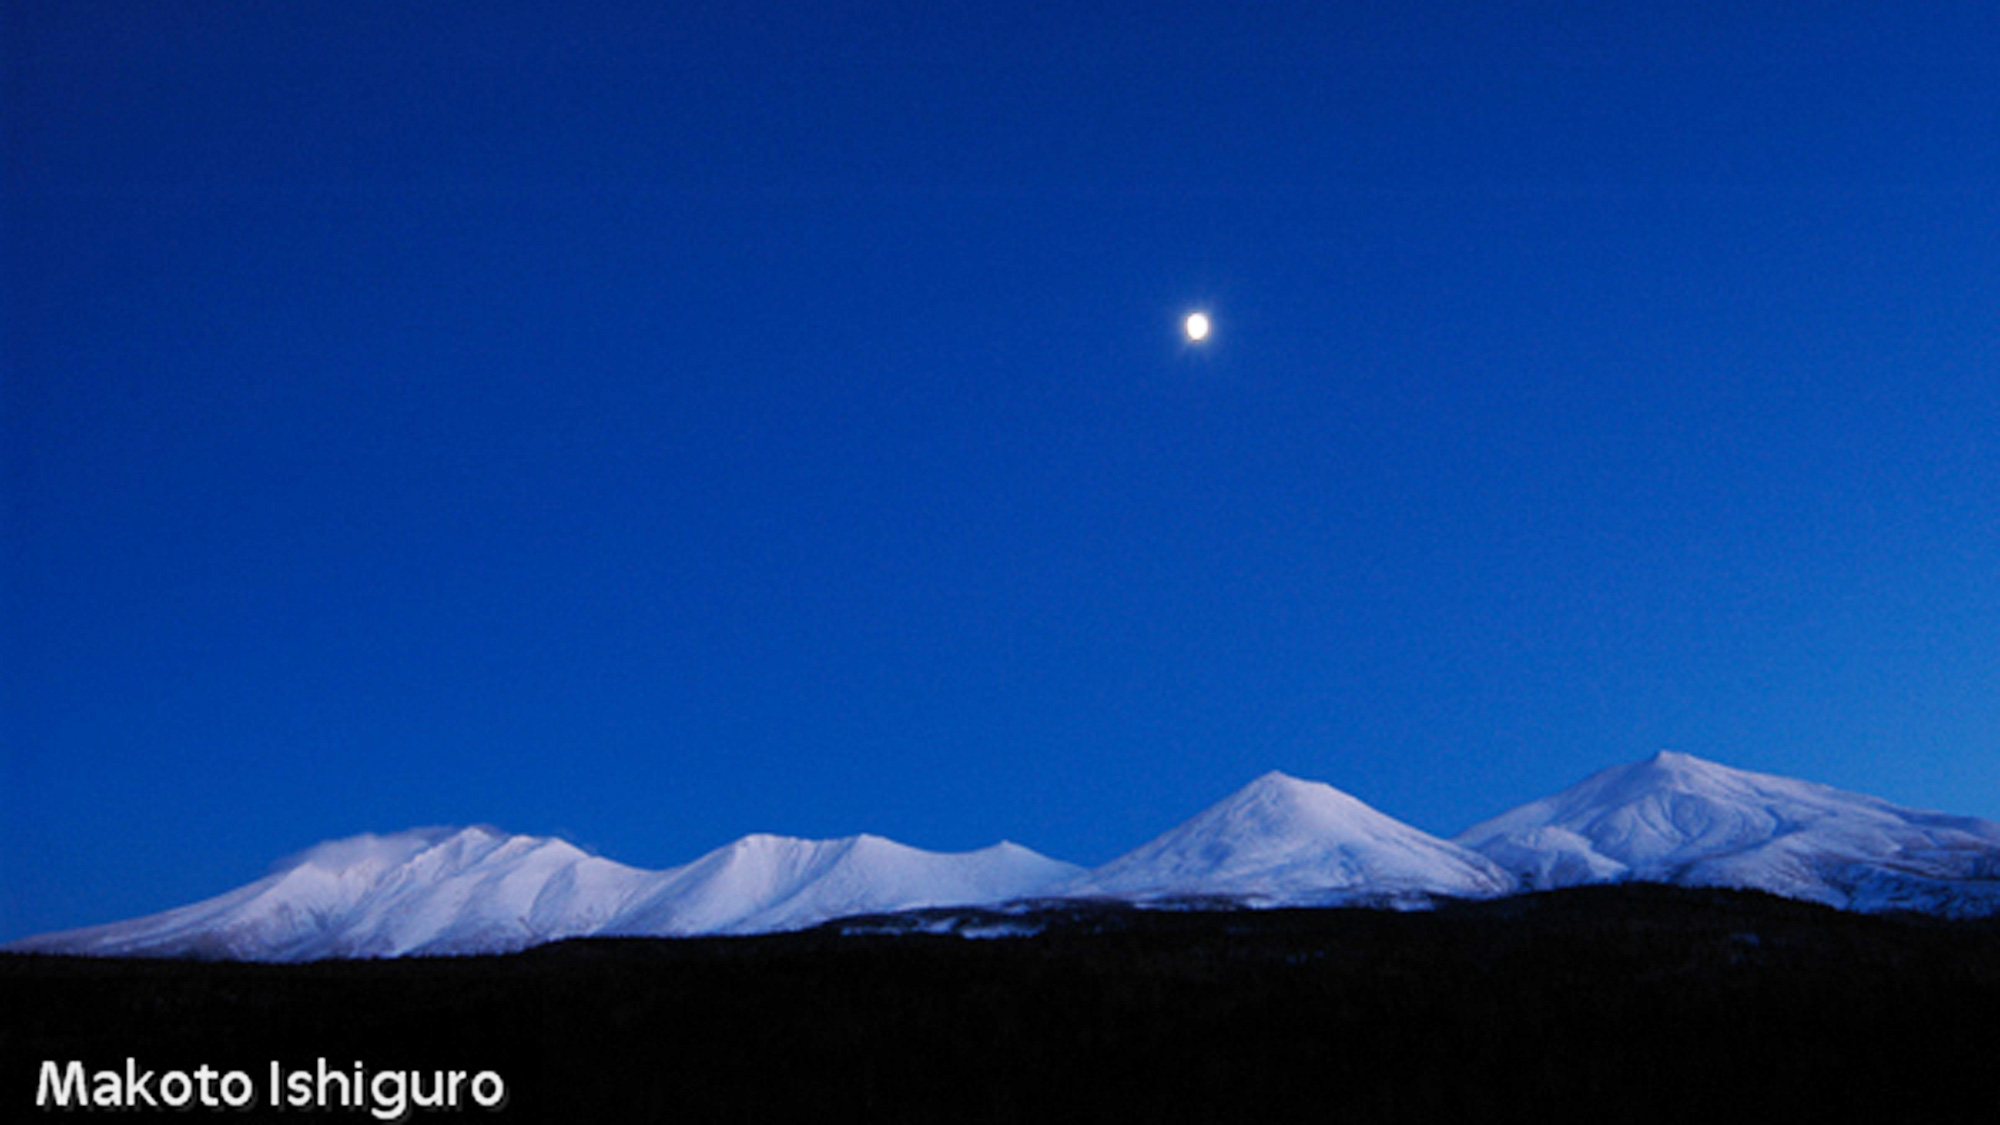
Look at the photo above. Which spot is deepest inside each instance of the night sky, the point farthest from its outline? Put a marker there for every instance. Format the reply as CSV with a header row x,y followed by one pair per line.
x,y
655,423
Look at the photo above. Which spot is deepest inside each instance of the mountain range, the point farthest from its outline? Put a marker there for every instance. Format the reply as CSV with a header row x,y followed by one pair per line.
x,y
1279,841
478,890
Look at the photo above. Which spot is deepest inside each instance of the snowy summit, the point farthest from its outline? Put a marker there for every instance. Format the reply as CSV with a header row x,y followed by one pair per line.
x,y
1675,818
1283,841
1278,841
477,890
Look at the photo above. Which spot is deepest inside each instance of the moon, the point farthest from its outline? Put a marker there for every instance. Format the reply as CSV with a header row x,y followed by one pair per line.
x,y
1196,326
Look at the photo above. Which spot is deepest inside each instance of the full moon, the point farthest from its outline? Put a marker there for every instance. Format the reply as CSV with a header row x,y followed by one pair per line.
x,y
1197,327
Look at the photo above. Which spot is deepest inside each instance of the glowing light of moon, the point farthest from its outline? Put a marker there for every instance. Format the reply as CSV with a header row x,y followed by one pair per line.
x,y
1197,327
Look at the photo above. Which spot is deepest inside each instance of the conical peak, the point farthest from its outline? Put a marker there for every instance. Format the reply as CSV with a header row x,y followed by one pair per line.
x,y
1283,786
1284,839
1277,777
1277,781
1673,761
1277,811
1293,796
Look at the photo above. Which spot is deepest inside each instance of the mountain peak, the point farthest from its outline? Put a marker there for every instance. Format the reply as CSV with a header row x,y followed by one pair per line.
x,y
368,851
1300,791
1285,839
1276,786
1278,779
1674,770
1677,764
1676,818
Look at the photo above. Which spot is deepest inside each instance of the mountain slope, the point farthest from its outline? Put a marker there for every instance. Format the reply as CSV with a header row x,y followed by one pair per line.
x,y
435,890
1283,841
764,883
477,890
1674,818
1278,841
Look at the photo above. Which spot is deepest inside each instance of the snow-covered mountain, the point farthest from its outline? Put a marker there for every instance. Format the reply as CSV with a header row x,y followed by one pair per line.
x,y
1283,841
477,890
428,890
761,884
1278,841
1674,818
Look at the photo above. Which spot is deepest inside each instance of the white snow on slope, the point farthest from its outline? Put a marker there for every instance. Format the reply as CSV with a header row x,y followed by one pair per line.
x,y
1283,841
764,883
477,890
1278,841
1674,818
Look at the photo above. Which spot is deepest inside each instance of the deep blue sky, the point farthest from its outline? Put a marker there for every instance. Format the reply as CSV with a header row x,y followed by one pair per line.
x,y
651,424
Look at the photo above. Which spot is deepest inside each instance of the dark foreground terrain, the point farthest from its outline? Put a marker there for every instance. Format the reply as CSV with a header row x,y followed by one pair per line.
x,y
1604,1004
